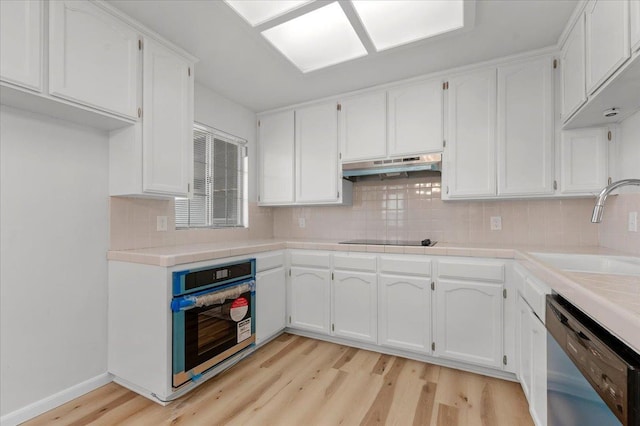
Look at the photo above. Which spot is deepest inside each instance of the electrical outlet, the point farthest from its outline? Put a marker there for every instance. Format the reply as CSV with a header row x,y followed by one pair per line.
x,y
161,223
633,222
301,222
496,223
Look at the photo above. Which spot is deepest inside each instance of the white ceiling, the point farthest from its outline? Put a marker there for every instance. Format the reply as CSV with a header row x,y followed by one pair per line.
x,y
238,63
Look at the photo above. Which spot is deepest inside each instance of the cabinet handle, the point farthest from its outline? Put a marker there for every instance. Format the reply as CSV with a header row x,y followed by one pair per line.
x,y
139,112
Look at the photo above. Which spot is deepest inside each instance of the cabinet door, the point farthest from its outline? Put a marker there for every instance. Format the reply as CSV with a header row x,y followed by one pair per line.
x,y
275,136
607,35
583,161
469,322
270,303
572,63
93,58
317,154
21,43
635,24
355,307
167,131
525,128
363,127
415,119
404,313
470,156
538,397
309,303
524,347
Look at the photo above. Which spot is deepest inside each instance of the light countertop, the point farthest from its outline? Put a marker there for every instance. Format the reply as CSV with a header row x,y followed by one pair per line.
x,y
611,300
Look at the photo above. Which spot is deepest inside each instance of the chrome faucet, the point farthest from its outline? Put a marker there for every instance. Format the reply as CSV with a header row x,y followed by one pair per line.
x,y
602,197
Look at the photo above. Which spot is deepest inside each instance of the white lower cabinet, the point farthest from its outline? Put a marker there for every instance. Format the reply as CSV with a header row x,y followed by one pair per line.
x,y
355,305
404,312
468,322
538,395
524,345
309,299
533,361
270,303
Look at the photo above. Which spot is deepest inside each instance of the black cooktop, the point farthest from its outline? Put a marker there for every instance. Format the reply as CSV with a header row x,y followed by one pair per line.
x,y
425,243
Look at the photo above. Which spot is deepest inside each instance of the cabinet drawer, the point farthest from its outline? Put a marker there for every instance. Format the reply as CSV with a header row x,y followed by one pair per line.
x,y
270,260
311,259
354,262
405,265
534,293
476,270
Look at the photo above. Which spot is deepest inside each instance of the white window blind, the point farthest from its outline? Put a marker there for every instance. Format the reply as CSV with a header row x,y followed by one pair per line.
x,y
219,192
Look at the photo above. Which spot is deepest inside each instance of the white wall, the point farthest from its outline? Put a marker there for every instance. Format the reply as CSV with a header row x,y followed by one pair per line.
x,y
53,243
223,114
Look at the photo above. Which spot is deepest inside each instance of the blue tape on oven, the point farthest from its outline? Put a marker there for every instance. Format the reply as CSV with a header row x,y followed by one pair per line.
x,y
178,342
183,303
195,377
178,281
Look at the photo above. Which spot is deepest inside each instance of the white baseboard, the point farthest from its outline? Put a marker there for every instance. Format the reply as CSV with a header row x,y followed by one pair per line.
x,y
35,409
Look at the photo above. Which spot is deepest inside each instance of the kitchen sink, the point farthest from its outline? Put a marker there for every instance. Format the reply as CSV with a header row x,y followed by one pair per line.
x,y
597,264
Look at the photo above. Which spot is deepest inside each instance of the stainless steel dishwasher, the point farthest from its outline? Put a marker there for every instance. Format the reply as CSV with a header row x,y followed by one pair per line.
x,y
592,377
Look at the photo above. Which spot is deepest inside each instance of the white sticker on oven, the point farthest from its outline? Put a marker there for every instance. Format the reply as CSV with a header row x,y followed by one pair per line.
x,y
239,309
244,330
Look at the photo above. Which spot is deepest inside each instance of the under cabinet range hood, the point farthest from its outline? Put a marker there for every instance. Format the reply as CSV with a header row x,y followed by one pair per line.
x,y
418,165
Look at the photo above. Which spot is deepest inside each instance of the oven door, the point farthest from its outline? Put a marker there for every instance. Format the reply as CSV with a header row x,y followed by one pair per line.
x,y
204,336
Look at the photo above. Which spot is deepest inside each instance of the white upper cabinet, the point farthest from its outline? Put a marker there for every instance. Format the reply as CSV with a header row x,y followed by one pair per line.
x,y
525,128
635,25
94,58
316,146
415,119
276,164
21,43
363,127
572,69
167,131
470,156
584,161
607,40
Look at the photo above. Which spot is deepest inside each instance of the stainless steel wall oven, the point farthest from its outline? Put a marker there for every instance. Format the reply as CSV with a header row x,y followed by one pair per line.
x,y
213,317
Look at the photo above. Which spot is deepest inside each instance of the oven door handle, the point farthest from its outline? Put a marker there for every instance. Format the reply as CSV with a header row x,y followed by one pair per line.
x,y
209,298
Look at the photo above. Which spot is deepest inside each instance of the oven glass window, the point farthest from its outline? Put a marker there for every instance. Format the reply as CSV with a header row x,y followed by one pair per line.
x,y
214,330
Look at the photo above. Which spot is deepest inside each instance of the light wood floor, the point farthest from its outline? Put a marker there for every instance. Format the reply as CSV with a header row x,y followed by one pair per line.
x,y
298,381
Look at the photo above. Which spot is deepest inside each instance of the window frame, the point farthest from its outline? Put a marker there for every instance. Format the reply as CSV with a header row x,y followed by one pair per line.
x,y
212,222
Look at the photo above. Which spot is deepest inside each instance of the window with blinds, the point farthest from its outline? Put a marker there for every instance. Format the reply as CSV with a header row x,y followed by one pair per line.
x,y
218,199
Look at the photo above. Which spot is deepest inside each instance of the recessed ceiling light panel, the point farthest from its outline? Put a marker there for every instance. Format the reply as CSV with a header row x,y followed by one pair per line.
x,y
258,11
391,23
317,39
